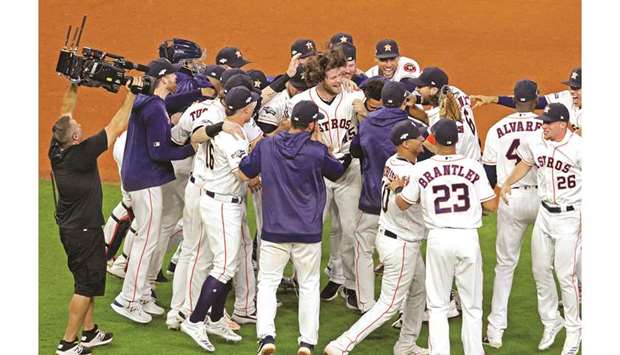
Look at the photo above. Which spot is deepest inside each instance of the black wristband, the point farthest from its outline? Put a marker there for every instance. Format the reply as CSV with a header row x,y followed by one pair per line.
x,y
214,129
398,190
279,83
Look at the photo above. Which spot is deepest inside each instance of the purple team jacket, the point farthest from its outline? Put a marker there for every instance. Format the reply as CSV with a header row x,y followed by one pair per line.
x,y
149,149
292,167
374,138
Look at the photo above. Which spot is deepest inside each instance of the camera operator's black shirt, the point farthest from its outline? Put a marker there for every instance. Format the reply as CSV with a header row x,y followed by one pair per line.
x,y
79,185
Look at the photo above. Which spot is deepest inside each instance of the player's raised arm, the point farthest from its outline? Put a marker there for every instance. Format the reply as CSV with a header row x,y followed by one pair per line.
x,y
279,84
517,174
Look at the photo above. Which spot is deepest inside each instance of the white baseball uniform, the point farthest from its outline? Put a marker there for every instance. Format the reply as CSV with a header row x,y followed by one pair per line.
x,y
564,97
556,239
398,244
500,150
406,68
469,141
337,129
450,189
276,110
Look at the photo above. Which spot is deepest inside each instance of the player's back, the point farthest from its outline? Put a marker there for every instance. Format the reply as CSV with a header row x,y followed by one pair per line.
x,y
224,152
502,141
408,224
452,189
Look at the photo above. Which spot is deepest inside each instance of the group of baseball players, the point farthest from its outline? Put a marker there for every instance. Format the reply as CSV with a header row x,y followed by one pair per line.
x,y
390,156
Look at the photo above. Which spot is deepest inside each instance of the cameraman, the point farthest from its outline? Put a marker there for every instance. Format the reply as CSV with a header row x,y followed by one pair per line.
x,y
79,217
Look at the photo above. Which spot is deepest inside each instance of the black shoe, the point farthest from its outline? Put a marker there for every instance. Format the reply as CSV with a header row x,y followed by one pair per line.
x,y
171,267
71,348
330,291
95,337
161,277
305,349
266,346
352,300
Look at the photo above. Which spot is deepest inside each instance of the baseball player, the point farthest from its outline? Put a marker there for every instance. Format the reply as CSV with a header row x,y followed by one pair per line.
x,y
373,146
570,98
452,191
499,159
429,85
292,165
340,37
222,211
230,57
398,243
352,72
390,64
306,48
556,240
146,172
337,127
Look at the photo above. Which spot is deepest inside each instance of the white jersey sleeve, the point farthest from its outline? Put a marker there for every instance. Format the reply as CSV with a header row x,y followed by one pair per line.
x,y
408,224
451,189
276,110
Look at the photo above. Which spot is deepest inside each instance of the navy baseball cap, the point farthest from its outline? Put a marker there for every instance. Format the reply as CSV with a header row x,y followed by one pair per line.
x,y
350,53
555,112
160,67
230,56
239,80
306,47
446,132
575,78
386,48
404,131
239,97
341,37
393,94
214,71
259,79
229,73
305,112
408,83
525,90
431,76
373,94
299,79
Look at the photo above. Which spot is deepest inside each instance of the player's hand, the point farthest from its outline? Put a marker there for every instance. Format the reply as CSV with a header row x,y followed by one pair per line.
x,y
292,65
174,119
504,193
349,85
396,183
255,184
481,100
232,128
360,109
417,113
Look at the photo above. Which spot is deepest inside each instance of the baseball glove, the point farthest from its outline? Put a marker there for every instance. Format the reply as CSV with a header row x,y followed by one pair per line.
x,y
448,105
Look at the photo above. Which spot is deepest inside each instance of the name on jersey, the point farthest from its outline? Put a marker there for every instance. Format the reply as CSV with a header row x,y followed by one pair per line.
x,y
390,175
196,114
552,163
518,126
445,170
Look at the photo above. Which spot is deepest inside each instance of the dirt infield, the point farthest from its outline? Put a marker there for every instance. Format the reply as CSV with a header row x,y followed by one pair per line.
x,y
484,46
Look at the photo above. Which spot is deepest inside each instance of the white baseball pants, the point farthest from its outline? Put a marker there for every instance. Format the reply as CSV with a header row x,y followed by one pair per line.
x,y
403,274
245,279
512,221
334,263
307,261
365,235
556,245
344,195
454,254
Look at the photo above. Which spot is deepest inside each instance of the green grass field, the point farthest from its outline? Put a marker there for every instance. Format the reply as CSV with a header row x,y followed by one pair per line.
x,y
56,286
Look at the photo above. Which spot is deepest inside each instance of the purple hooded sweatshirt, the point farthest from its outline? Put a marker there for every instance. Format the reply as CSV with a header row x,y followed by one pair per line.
x,y
292,167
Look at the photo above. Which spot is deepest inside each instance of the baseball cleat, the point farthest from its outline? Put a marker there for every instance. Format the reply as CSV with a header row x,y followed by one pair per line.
x,y
331,349
453,311
398,323
351,302
401,348
221,329
571,343
95,337
132,311
305,349
197,331
266,346
247,319
549,335
330,291
118,267
174,319
160,277
152,308
288,284
492,342
231,324
74,348
171,267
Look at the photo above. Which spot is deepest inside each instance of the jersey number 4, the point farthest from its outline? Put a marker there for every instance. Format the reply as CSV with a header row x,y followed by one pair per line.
x,y
511,154
445,191
210,159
